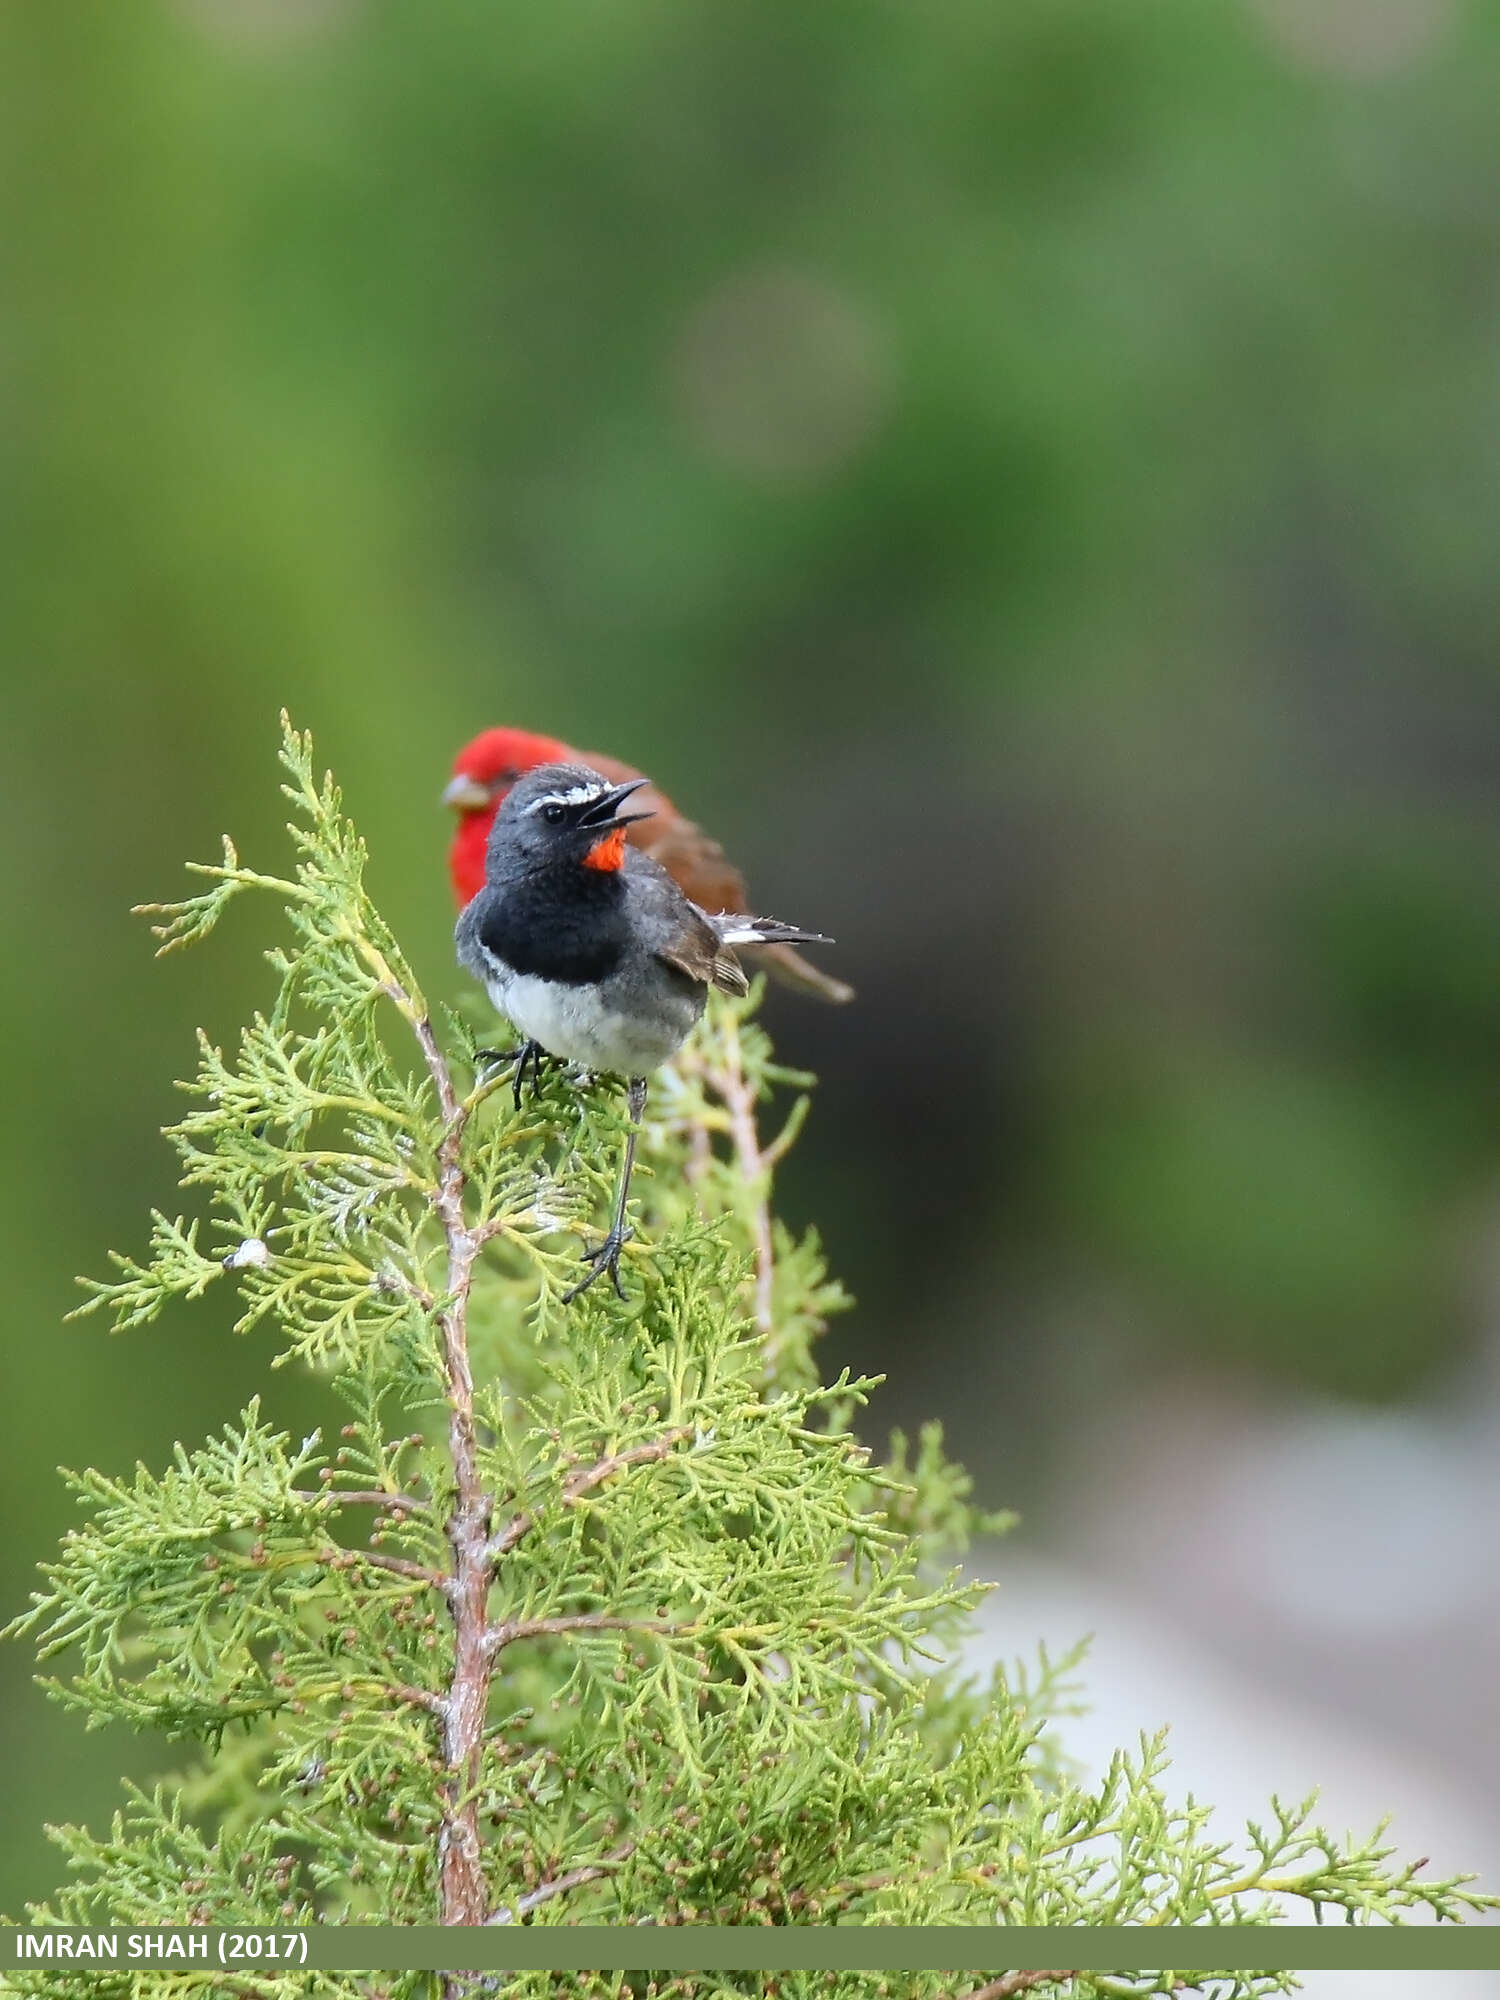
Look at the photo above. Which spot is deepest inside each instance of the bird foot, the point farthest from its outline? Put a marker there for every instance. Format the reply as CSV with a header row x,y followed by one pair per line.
x,y
605,1258
530,1053
484,1058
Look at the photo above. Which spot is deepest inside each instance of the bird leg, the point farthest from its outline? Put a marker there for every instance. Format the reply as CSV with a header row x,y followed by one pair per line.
x,y
528,1052
607,1256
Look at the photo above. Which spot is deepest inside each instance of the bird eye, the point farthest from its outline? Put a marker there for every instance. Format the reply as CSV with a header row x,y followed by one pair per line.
x,y
553,815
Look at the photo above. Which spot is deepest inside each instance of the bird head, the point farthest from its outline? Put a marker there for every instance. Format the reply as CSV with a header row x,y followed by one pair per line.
x,y
560,812
486,768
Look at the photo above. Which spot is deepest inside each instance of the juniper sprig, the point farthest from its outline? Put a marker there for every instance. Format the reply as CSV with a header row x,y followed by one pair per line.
x,y
597,1614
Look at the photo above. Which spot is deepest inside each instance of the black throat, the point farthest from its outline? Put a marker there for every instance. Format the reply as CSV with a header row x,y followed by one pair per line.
x,y
564,922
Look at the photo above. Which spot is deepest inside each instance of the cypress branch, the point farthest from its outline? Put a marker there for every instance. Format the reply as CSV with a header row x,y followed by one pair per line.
x,y
596,1614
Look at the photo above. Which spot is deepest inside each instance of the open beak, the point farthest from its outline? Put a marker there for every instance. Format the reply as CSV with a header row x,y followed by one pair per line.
x,y
467,795
605,811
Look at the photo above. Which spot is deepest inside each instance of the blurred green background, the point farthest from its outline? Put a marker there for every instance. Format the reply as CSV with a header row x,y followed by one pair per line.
x,y
1024,475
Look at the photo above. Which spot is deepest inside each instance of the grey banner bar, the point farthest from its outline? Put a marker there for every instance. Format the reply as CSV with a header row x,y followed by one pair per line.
x,y
751,1948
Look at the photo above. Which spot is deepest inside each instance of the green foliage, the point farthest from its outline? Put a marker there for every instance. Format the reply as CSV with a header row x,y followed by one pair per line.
x,y
590,1614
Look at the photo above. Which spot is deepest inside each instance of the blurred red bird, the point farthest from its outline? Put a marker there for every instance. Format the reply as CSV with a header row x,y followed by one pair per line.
x,y
484,771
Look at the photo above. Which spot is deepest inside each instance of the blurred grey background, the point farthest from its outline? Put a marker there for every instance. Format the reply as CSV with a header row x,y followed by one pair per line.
x,y
1025,477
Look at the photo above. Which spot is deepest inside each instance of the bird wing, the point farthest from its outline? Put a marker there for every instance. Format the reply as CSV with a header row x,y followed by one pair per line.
x,y
729,974
466,933
705,961
682,936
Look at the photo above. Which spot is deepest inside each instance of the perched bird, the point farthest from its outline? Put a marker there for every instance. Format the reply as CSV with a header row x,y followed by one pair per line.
x,y
485,769
590,949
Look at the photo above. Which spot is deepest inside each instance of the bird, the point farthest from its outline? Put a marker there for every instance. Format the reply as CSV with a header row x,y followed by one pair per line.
x,y
592,951
487,766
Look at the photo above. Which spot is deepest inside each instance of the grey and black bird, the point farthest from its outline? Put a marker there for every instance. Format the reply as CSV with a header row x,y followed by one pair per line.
x,y
591,951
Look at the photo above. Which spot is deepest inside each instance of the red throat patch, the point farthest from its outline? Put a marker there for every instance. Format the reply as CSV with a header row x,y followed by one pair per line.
x,y
607,854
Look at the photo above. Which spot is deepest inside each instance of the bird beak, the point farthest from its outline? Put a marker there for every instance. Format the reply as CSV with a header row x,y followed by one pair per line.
x,y
605,811
466,794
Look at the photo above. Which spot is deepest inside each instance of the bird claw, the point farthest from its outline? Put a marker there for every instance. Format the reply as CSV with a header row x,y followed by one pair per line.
x,y
493,1058
605,1258
528,1053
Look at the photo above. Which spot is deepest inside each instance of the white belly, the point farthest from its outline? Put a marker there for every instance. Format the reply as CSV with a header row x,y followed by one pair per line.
x,y
579,1024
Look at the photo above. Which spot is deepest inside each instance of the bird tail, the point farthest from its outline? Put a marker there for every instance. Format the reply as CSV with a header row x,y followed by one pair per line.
x,y
737,930
768,943
789,968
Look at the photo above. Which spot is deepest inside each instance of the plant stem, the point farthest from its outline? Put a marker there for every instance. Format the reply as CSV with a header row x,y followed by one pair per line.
x,y
729,1084
559,1885
464,1898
